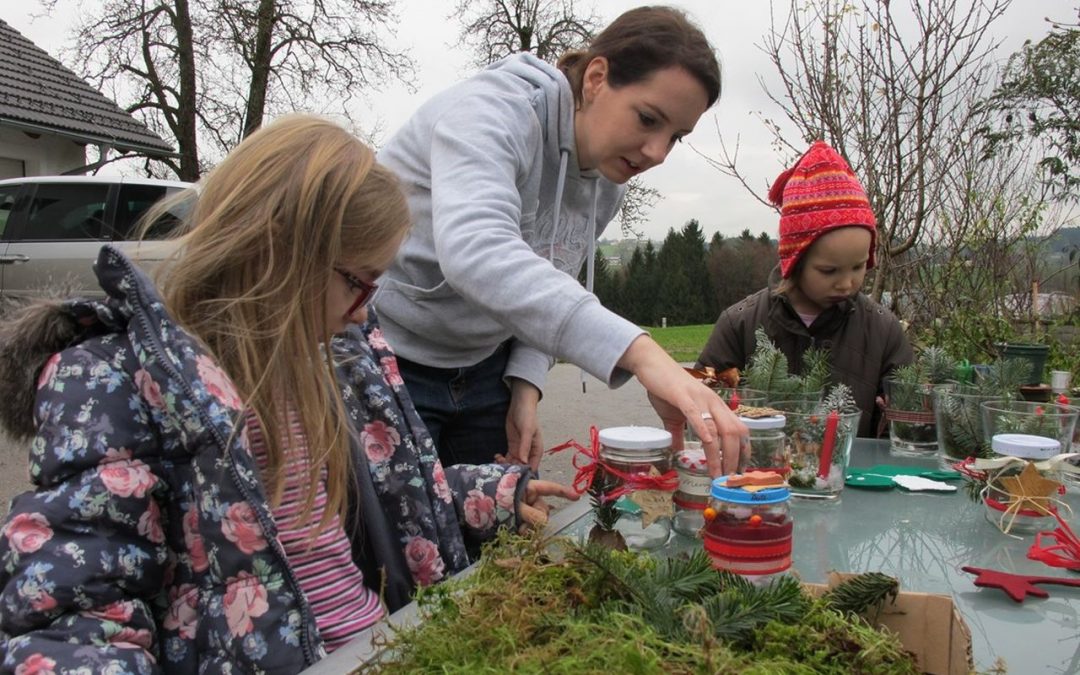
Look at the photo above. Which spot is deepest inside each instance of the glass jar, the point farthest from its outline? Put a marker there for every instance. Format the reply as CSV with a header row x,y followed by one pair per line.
x,y
636,450
998,497
748,532
767,444
693,494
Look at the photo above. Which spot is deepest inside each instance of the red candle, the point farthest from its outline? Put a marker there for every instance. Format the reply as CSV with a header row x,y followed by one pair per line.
x,y
827,443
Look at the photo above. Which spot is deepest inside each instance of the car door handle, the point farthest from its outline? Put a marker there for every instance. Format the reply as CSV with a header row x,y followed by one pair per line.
x,y
13,259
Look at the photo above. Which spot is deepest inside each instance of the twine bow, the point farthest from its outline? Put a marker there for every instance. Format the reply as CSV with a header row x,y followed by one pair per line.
x,y
587,461
1020,503
1067,543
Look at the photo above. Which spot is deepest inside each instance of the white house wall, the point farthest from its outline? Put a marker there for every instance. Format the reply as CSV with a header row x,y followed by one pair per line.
x,y
42,156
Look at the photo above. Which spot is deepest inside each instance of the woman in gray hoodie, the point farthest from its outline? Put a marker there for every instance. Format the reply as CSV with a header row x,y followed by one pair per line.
x,y
512,175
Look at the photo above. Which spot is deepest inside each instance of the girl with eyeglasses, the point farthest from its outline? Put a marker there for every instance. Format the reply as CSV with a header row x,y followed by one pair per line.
x,y
228,473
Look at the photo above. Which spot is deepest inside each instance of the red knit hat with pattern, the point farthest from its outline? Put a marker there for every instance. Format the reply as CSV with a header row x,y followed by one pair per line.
x,y
819,194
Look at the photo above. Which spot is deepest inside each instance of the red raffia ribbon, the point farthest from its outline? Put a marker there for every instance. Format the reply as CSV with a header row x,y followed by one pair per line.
x,y
1068,544
967,468
631,482
827,444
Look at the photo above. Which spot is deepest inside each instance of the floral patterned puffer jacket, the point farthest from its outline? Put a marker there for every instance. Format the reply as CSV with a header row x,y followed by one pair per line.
x,y
147,544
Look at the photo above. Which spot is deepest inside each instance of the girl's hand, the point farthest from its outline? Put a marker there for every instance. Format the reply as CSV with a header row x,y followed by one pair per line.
x,y
523,440
533,510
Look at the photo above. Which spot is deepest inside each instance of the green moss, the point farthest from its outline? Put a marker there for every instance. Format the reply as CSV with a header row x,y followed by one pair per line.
x,y
540,606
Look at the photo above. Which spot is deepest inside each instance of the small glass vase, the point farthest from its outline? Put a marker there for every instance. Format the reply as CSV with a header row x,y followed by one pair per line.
x,y
909,410
818,447
1053,421
960,433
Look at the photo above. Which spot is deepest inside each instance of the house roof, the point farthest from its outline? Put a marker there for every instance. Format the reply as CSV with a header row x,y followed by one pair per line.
x,y
37,93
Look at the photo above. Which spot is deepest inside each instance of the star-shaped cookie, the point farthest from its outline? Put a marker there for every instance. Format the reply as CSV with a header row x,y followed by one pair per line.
x,y
1030,489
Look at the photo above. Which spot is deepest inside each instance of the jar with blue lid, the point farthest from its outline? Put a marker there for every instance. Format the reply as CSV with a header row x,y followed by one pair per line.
x,y
748,529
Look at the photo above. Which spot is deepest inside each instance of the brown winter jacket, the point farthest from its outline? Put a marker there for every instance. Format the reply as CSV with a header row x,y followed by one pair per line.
x,y
865,342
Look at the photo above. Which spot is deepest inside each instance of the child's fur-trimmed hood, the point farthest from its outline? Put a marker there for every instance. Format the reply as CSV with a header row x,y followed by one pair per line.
x,y
29,336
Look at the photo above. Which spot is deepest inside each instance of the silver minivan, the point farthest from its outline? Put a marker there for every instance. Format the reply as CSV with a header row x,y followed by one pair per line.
x,y
52,227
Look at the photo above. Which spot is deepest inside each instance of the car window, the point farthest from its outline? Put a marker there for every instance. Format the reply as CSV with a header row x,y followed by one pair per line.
x,y
7,204
133,203
67,211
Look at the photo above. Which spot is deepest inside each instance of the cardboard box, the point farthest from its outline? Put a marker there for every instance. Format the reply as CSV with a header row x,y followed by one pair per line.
x,y
929,626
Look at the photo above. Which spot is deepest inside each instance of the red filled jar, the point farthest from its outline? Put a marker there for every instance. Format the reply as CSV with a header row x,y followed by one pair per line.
x,y
748,532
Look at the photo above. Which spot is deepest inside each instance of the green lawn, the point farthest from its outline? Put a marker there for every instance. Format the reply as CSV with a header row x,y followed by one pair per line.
x,y
684,343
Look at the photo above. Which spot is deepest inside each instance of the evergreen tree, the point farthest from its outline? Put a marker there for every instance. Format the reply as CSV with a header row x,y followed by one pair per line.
x,y
716,242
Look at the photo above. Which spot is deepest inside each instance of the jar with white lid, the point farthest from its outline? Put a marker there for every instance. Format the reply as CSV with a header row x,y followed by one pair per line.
x,y
768,446
999,498
694,488
749,531
631,451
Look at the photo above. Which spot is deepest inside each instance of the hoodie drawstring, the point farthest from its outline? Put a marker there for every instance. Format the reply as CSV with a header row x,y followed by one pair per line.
x,y
590,263
564,159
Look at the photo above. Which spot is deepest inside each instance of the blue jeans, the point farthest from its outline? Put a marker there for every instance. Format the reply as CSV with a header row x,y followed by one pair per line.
x,y
464,408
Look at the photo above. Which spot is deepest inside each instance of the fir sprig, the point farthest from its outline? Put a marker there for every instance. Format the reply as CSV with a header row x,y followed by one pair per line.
x,y
863,592
767,369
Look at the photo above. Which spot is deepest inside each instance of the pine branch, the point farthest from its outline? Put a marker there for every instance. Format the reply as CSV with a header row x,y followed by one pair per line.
x,y
937,366
739,610
840,398
816,371
860,593
767,369
1005,377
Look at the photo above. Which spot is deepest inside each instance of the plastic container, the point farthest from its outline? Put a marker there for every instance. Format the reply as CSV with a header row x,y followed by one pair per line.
x,y
748,533
637,450
693,494
767,446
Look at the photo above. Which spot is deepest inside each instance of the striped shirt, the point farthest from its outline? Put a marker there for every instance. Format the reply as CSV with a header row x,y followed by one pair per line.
x,y
330,580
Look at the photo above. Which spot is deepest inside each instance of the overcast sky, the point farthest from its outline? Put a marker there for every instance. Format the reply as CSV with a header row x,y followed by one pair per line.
x,y
690,188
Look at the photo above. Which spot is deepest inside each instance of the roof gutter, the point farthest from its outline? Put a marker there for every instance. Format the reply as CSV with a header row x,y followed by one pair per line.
x,y
120,145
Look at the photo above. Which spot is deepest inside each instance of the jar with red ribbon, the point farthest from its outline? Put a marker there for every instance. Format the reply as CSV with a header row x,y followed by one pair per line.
x,y
748,529
638,461
693,494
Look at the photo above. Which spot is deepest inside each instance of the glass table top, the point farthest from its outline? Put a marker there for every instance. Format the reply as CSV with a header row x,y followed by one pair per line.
x,y
923,539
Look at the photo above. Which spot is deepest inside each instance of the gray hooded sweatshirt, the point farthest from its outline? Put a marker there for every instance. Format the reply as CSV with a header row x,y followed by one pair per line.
x,y
502,221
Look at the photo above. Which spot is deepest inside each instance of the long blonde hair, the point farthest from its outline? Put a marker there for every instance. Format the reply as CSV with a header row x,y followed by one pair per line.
x,y
252,272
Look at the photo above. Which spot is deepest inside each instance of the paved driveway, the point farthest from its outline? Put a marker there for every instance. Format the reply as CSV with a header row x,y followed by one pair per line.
x,y
565,413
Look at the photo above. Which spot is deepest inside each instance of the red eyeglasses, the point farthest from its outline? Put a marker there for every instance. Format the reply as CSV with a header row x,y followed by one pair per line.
x,y
363,290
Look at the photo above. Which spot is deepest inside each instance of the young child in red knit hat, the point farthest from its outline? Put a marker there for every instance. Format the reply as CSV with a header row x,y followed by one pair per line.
x,y
827,239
